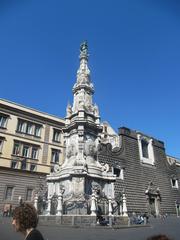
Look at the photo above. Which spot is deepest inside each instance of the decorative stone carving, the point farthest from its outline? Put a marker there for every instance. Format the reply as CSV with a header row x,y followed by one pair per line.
x,y
71,150
56,168
96,188
90,151
68,110
152,190
153,193
71,154
81,105
171,161
96,110
105,167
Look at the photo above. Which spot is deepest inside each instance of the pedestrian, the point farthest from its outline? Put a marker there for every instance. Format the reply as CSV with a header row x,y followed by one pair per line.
x,y
146,217
25,220
159,237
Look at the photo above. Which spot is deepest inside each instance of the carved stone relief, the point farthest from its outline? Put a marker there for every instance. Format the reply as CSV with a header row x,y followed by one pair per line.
x,y
90,151
71,153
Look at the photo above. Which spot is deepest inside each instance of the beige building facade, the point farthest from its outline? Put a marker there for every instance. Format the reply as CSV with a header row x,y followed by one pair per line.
x,y
31,144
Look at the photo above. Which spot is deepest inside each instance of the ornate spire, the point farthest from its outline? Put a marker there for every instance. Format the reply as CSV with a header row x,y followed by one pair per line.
x,y
83,73
83,89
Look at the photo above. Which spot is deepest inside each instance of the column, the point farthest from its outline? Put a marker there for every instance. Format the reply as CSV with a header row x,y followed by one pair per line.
x,y
110,206
49,205
124,206
60,201
93,204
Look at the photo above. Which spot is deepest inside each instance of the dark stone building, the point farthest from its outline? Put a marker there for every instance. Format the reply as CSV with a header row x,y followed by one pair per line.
x,y
149,178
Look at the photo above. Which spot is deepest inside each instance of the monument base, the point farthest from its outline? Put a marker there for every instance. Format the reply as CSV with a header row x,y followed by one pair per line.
x,y
80,220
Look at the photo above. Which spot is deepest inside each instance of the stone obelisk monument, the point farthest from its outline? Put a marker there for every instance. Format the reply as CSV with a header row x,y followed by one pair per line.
x,y
81,179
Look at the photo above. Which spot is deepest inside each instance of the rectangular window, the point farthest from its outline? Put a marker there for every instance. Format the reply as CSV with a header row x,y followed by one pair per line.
x,y
34,154
56,135
23,164
29,194
55,156
145,149
25,152
14,164
117,172
3,121
174,183
37,131
16,149
29,128
1,144
33,167
21,126
9,193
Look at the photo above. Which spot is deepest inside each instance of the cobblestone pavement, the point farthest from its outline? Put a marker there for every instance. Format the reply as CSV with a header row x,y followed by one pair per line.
x,y
169,226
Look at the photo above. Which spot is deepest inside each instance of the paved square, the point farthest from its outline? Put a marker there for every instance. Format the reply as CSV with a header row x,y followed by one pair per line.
x,y
169,226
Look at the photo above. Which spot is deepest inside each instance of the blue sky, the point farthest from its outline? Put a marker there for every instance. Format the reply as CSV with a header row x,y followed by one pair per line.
x,y
134,59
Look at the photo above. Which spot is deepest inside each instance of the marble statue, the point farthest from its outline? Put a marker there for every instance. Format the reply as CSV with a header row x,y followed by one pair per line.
x,y
90,151
68,110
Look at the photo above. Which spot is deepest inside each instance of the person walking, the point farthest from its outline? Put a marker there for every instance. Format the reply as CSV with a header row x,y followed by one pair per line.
x,y
25,220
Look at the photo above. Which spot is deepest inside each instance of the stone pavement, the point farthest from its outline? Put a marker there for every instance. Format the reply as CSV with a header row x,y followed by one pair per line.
x,y
169,226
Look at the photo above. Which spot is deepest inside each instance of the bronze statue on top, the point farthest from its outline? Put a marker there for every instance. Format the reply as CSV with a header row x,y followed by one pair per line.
x,y
84,48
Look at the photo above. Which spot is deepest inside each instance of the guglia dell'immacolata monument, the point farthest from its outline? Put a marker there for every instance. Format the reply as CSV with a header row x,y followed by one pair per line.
x,y
82,180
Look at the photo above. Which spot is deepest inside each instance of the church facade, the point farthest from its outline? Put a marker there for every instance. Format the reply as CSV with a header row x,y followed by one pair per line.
x,y
144,172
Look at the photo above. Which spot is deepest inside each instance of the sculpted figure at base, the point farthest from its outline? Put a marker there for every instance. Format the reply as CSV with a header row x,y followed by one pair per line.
x,y
71,154
90,151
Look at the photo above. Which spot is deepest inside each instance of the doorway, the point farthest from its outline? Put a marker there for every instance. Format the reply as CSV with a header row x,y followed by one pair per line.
x,y
154,206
